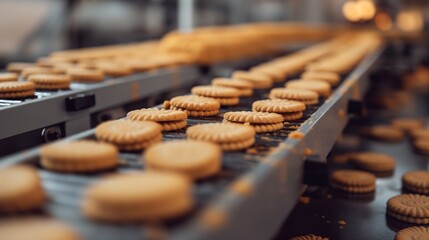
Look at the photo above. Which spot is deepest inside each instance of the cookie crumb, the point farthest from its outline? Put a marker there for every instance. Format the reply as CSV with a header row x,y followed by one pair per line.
x,y
342,222
252,151
304,200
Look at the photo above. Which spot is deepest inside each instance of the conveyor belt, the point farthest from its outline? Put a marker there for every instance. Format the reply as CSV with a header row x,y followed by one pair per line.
x,y
272,172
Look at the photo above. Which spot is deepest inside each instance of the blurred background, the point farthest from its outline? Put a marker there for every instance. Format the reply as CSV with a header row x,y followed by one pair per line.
x,y
33,28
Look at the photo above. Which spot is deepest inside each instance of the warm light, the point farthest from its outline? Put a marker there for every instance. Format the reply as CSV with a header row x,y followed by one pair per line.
x,y
383,21
410,20
362,10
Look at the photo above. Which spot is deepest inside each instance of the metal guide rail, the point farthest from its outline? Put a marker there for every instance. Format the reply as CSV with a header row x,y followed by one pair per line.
x,y
270,173
73,107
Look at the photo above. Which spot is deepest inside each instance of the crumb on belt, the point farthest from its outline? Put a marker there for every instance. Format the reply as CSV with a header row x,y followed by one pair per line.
x,y
304,200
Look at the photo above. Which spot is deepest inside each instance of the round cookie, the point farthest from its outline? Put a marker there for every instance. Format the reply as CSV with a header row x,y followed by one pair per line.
x,y
18,67
21,189
322,88
196,113
195,103
407,124
16,90
353,181
253,117
292,116
78,156
309,237
413,233
245,88
156,115
8,77
274,74
373,162
226,101
307,97
114,70
27,72
50,81
159,196
85,75
215,92
278,106
259,81
420,133
129,135
36,228
386,133
195,159
416,182
229,136
422,145
263,127
330,77
412,208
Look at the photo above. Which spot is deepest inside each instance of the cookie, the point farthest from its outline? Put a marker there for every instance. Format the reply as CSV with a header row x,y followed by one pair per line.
x,y
36,228
114,70
407,124
195,103
129,135
330,77
196,113
259,81
309,237
50,81
278,106
159,196
230,137
262,127
16,90
411,208
85,75
195,159
274,74
422,145
412,233
18,67
322,88
8,77
386,133
416,182
27,72
156,115
307,97
253,117
353,181
79,156
215,92
419,133
21,189
245,88
292,116
373,162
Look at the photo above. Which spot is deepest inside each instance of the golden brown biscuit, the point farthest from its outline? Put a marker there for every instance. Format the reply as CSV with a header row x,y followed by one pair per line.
x,y
412,233
422,145
8,77
156,115
245,88
253,117
50,81
307,97
198,113
386,133
330,77
292,116
420,133
259,81
416,182
14,90
353,181
20,189
261,127
374,162
309,237
275,74
36,228
322,88
27,72
129,135
412,208
195,159
407,124
215,92
85,75
159,196
18,67
79,156
195,103
278,106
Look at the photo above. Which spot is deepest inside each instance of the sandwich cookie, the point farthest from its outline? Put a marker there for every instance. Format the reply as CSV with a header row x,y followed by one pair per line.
x,y
226,96
309,237
261,121
407,124
8,77
129,135
322,88
27,72
307,97
290,110
230,137
159,196
330,77
416,182
79,156
422,145
413,233
386,133
50,81
420,133
195,159
373,162
36,228
18,67
195,106
79,74
245,88
411,208
259,81
353,181
21,189
275,74
170,120
114,70
16,90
